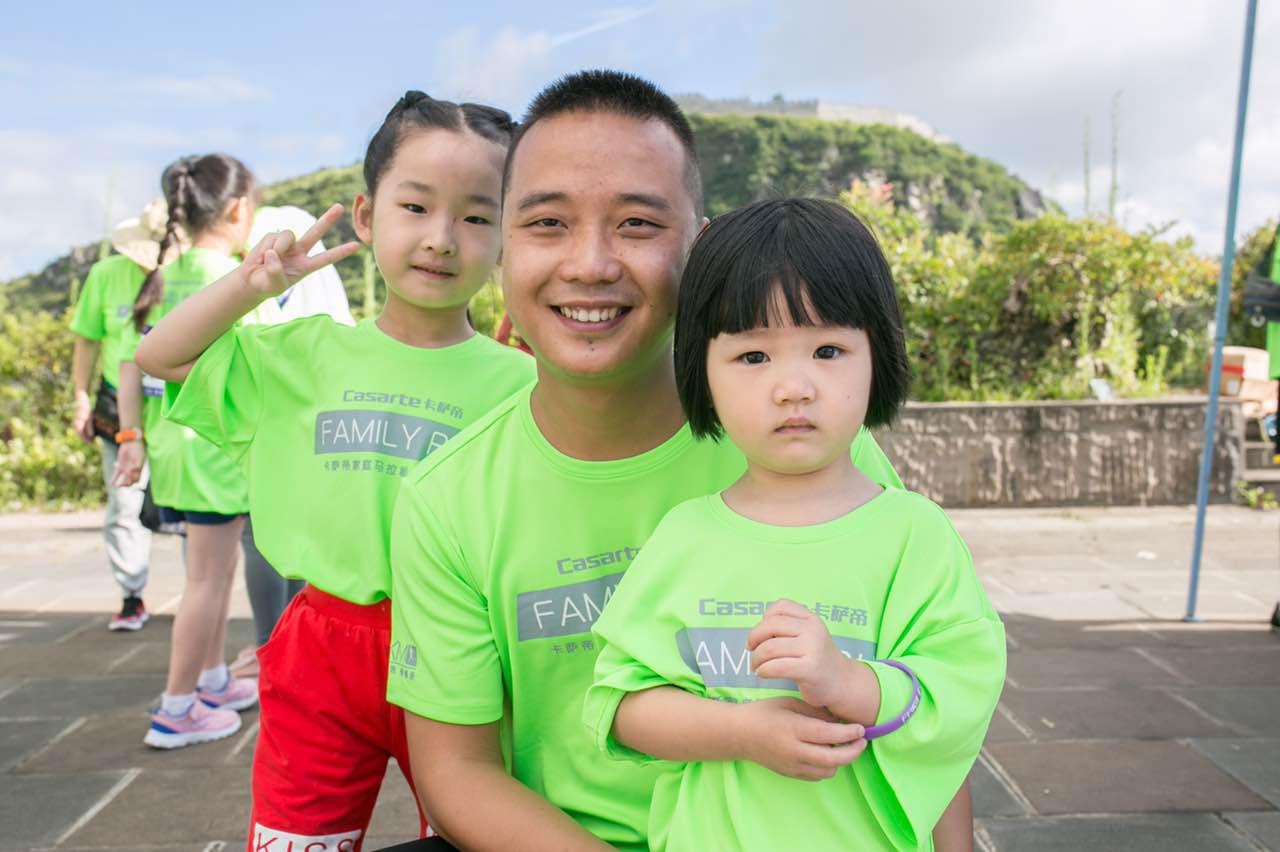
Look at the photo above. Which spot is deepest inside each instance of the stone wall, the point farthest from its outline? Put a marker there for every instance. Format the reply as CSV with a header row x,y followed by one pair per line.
x,y
1079,453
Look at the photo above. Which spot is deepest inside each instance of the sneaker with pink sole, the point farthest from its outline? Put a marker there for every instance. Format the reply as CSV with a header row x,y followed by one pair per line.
x,y
201,725
240,693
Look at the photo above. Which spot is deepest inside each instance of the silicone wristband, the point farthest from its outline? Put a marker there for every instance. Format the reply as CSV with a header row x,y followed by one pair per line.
x,y
126,435
901,719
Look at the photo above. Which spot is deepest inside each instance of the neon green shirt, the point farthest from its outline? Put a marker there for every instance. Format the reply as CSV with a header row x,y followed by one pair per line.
x,y
327,420
1273,328
187,472
505,551
106,308
891,579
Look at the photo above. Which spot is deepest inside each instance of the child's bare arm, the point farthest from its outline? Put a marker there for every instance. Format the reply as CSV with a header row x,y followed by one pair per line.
x,y
954,831
783,734
170,349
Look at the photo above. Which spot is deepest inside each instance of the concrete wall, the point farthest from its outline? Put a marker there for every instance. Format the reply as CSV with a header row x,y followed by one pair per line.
x,y
1080,453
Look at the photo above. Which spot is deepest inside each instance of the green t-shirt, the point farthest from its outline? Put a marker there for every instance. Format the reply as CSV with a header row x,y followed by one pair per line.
x,y
505,551
327,420
187,472
891,579
106,308
1273,328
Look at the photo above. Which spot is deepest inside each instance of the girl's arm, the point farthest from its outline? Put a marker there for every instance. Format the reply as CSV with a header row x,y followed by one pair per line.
x,y
170,349
132,454
782,734
82,360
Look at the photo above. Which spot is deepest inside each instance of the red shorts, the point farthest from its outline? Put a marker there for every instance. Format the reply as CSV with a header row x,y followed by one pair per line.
x,y
326,729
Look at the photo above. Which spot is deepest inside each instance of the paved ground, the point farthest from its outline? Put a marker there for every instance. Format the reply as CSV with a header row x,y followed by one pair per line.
x,y
1121,727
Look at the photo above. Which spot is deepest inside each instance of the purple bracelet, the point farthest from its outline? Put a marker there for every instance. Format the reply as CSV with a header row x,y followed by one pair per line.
x,y
901,719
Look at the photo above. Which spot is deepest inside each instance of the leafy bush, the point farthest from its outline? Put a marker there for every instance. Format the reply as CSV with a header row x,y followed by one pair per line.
x,y
42,461
1039,311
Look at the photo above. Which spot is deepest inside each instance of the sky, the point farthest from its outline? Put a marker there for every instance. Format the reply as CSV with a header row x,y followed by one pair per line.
x,y
95,104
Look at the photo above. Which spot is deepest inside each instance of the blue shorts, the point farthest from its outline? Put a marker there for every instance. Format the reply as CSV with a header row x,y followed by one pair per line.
x,y
209,519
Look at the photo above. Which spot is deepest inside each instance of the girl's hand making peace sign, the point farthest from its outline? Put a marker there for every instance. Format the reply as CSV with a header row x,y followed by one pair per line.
x,y
280,260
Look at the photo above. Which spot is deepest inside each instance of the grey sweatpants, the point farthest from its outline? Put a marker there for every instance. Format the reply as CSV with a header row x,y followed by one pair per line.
x,y
128,541
269,593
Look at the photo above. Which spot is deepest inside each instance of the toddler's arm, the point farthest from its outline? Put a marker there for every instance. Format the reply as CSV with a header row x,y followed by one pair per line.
x,y
783,734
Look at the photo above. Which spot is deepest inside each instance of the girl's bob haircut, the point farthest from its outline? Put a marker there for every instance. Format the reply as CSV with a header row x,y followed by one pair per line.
x,y
814,256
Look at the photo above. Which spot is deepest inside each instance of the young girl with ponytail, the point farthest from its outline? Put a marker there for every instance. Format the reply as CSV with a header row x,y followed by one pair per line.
x,y
327,421
212,199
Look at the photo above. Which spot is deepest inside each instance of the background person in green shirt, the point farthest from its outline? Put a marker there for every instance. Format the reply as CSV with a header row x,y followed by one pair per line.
x,y
100,325
211,198
507,543
804,586
1273,349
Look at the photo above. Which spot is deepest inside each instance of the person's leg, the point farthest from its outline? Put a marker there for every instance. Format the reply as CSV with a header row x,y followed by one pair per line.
x,y
127,541
269,593
211,561
323,693
185,718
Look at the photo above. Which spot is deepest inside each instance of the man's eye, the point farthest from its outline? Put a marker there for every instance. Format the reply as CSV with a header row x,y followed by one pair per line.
x,y
546,222
635,222
753,357
827,352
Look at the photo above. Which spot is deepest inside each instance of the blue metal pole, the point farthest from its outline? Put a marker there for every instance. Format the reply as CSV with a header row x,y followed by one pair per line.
x,y
1220,318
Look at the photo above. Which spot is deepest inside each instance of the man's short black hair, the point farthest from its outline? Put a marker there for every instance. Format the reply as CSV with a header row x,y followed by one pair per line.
x,y
617,93
828,269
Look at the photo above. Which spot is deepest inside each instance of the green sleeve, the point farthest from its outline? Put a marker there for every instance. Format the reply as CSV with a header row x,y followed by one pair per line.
x,y
1275,257
130,337
627,656
951,637
871,460
222,396
439,620
88,321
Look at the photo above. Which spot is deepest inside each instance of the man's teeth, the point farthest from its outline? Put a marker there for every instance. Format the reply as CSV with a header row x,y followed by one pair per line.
x,y
592,315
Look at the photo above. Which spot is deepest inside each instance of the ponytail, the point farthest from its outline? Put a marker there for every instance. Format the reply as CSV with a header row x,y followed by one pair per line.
x,y
196,190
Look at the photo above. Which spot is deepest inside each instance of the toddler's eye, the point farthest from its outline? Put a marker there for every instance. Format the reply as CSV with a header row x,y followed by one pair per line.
x,y
414,208
827,352
753,357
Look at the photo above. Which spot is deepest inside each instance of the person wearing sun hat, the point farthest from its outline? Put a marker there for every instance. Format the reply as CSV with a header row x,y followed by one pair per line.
x,y
102,314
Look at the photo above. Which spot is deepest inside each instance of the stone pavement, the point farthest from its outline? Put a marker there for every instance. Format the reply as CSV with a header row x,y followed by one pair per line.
x,y
1121,727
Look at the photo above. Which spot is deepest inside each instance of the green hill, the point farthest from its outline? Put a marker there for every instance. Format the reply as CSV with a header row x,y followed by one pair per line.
x,y
744,158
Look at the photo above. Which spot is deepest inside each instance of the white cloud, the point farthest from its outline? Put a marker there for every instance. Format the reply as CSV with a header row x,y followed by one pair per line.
x,y
498,68
209,88
1016,81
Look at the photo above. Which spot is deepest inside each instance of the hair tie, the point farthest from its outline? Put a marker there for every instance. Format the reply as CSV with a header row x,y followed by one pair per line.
x,y
413,97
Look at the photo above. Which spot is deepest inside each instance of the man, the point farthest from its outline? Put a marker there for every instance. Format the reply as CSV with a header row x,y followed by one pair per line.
x,y
508,544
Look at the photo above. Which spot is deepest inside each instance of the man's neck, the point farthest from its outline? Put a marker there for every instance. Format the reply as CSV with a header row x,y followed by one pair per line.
x,y
603,421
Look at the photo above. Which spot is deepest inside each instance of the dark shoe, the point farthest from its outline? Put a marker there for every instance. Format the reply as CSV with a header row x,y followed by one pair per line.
x,y
132,615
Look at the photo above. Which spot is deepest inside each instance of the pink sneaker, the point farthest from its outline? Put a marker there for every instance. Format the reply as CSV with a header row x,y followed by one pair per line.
x,y
240,693
201,725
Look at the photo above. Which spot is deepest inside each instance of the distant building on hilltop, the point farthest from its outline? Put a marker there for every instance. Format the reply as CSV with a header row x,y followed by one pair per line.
x,y
826,110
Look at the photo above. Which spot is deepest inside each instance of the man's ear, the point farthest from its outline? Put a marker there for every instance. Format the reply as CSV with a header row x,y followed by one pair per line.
x,y
362,218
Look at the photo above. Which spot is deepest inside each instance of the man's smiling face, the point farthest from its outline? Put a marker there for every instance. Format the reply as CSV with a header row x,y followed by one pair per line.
x,y
597,224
